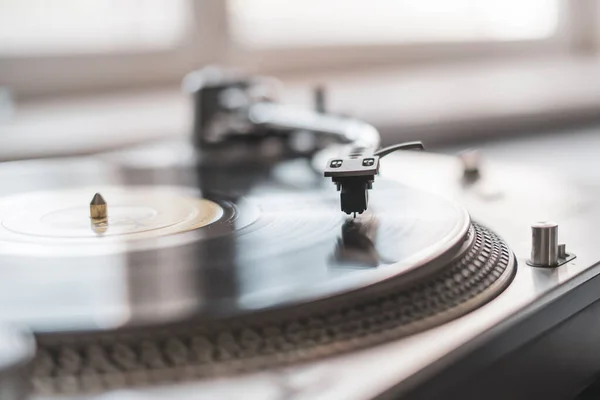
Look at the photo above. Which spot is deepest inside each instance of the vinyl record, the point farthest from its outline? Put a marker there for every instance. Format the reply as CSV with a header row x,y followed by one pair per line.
x,y
171,252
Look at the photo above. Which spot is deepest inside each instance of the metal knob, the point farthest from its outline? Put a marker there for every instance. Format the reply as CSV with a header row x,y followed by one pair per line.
x,y
544,244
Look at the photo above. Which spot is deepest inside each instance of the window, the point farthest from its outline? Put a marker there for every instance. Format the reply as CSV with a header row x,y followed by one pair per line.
x,y
322,23
54,47
36,27
60,46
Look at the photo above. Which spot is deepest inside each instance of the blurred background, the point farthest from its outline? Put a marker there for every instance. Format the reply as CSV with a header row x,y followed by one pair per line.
x,y
80,76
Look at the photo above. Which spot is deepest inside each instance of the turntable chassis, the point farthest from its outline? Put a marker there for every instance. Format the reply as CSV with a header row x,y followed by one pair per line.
x,y
537,298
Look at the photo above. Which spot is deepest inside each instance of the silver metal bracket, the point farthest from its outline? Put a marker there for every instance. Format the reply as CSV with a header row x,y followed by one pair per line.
x,y
561,260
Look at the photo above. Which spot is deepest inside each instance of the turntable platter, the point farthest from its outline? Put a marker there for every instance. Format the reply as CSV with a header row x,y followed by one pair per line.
x,y
251,272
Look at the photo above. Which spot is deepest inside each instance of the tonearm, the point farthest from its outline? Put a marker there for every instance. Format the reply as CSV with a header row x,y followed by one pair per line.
x,y
229,109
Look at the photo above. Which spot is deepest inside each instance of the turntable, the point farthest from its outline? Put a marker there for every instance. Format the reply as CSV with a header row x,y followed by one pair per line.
x,y
233,268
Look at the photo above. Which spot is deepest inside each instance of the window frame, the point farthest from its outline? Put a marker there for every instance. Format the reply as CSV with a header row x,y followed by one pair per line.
x,y
28,76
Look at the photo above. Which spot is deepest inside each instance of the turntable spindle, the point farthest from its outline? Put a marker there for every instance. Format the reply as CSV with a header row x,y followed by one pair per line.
x,y
98,207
